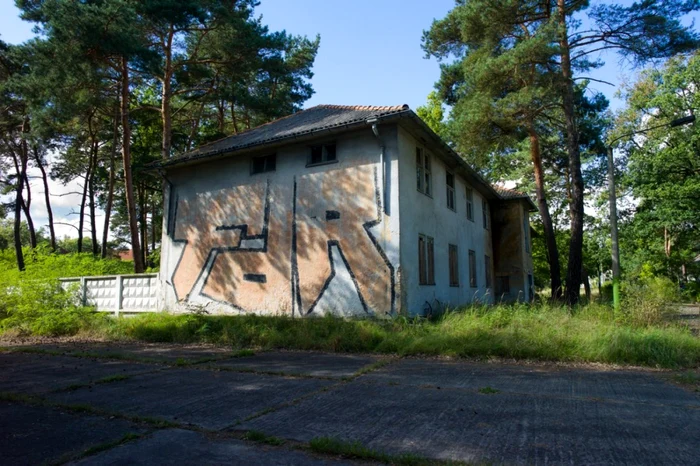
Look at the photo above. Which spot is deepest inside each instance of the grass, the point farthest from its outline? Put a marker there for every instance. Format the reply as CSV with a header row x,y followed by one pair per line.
x,y
489,390
538,332
261,437
355,450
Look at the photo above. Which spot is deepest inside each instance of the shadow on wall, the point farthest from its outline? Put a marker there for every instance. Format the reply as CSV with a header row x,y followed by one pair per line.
x,y
269,245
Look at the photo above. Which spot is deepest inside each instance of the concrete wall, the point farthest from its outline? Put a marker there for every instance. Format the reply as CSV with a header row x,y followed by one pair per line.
x,y
117,293
299,240
421,214
511,257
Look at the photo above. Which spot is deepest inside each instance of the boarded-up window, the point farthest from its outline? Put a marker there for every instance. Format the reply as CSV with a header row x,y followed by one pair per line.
x,y
472,269
450,183
470,204
263,163
454,265
423,172
487,268
426,257
485,211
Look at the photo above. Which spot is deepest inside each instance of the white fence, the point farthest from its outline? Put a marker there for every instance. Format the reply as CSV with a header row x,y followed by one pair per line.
x,y
118,293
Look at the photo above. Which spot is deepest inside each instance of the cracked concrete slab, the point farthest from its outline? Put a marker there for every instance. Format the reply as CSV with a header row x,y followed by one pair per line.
x,y
301,363
619,385
40,373
205,398
459,424
38,435
177,446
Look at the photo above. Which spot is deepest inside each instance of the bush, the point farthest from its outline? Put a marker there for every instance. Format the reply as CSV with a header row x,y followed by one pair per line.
x,y
44,308
646,302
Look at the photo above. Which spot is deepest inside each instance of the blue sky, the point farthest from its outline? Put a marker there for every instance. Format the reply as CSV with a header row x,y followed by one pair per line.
x,y
370,54
370,50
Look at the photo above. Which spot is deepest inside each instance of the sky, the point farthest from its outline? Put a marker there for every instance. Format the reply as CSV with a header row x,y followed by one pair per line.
x,y
370,54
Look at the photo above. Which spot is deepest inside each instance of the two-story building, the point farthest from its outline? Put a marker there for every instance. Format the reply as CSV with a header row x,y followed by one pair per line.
x,y
338,209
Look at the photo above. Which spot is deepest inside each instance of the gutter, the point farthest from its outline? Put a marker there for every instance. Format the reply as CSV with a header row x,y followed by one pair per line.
x,y
382,163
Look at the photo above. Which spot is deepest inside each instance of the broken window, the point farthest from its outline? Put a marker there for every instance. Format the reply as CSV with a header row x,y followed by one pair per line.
x,y
450,183
470,204
323,153
263,163
423,172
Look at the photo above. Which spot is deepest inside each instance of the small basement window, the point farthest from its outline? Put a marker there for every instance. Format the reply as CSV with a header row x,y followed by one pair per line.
x,y
324,153
263,163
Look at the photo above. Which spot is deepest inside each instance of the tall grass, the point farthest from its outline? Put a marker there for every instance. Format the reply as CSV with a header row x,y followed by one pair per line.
x,y
541,332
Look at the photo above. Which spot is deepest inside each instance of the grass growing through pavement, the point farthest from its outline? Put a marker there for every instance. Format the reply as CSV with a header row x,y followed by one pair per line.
x,y
540,332
355,450
262,437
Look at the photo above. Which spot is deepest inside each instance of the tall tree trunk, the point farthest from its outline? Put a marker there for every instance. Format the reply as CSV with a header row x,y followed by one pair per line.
x,y
21,172
83,201
153,225
91,198
47,197
166,114
550,238
573,275
110,188
23,180
126,157
143,220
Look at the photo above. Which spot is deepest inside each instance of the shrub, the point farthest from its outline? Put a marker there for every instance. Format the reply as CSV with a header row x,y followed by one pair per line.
x,y
646,302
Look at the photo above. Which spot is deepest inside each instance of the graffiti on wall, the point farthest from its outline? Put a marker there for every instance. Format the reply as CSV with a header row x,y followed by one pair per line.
x,y
269,246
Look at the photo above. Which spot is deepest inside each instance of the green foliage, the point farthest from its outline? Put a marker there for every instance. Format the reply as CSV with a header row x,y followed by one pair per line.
x,y
334,446
43,308
433,114
646,302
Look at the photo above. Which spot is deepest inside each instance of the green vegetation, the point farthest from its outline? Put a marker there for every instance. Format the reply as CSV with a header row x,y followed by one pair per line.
x,y
640,335
261,437
489,390
355,450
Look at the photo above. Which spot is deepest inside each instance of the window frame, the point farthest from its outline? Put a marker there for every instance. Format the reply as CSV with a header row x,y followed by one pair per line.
x,y
485,214
470,203
473,282
426,260
450,190
453,264
265,158
424,172
324,154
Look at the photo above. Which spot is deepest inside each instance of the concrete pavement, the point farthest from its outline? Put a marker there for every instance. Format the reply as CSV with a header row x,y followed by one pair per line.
x,y
161,404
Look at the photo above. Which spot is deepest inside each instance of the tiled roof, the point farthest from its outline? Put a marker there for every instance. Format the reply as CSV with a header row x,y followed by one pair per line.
x,y
507,194
303,122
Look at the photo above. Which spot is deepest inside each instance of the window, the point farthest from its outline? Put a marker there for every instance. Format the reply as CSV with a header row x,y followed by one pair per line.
x,y
426,260
487,268
263,163
526,231
423,172
450,183
531,288
503,285
320,154
472,269
454,266
485,212
470,204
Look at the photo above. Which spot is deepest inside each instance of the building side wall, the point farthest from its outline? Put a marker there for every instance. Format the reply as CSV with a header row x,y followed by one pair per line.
x,y
430,216
512,260
300,240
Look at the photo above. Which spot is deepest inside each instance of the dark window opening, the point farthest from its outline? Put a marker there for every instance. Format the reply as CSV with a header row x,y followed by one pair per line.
x,y
454,265
322,154
264,163
426,260
450,182
472,269
503,285
487,268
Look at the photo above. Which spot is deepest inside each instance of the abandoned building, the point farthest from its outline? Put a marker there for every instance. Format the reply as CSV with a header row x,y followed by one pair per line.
x,y
351,210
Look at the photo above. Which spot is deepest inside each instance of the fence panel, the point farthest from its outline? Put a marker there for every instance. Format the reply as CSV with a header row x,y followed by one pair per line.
x,y
118,293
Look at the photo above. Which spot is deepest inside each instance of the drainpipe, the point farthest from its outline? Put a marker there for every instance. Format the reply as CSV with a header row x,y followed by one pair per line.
x,y
382,164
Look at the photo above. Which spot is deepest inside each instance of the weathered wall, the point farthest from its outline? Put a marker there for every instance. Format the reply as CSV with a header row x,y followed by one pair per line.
x,y
510,256
300,240
430,216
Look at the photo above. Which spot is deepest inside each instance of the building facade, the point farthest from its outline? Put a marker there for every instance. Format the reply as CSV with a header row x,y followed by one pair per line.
x,y
353,211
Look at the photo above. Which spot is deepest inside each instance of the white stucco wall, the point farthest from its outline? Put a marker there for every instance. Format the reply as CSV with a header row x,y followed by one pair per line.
x,y
430,216
296,199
